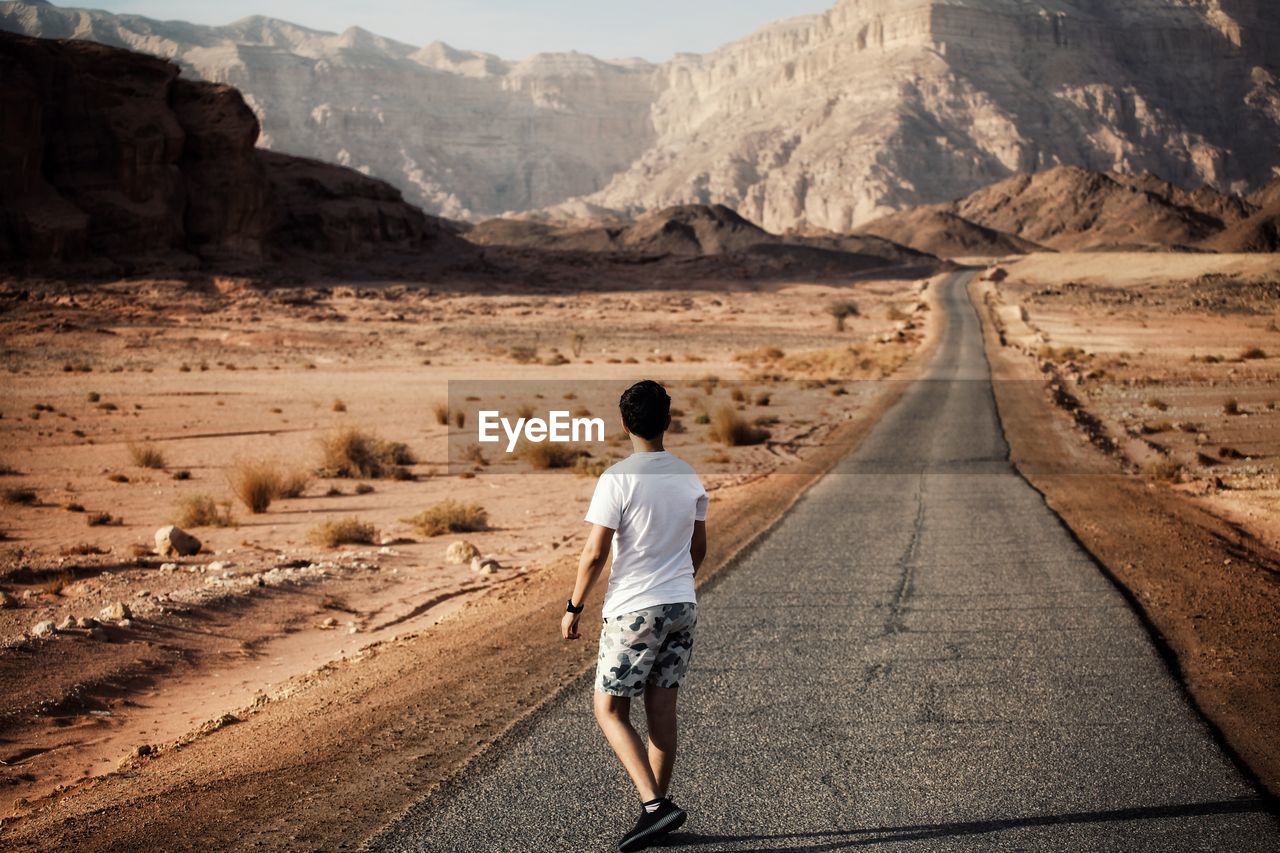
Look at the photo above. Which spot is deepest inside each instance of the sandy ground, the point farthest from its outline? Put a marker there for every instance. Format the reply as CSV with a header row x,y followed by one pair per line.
x,y
1140,395
215,374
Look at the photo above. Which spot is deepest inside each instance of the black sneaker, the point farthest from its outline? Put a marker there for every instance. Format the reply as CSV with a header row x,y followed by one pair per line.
x,y
651,826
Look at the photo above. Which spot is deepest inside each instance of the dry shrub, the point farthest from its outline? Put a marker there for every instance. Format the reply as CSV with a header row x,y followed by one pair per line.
x,y
588,467
1156,427
256,483
20,496
1231,407
102,519
344,531
474,453
117,478
1164,471
524,354
357,454
440,411
763,399
1157,404
737,395
364,489
760,355
146,455
8,470
339,406
1250,353
840,311
293,483
449,516
846,362
202,511
555,360
84,549
542,455
459,419
729,428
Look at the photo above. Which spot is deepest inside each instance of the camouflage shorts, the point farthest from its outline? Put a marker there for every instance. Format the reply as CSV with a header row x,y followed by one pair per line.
x,y
649,646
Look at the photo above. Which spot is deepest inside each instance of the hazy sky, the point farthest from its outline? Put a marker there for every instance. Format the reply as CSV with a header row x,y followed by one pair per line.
x,y
654,29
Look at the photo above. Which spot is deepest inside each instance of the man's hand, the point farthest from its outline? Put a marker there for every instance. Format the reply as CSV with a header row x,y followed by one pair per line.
x,y
569,626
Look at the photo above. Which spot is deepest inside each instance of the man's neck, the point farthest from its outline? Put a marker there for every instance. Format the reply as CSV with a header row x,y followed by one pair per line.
x,y
645,445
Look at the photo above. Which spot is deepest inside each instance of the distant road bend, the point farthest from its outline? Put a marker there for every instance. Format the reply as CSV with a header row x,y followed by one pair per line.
x,y
919,656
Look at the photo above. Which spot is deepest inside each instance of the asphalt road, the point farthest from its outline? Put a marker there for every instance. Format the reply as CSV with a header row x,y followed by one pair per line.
x,y
919,656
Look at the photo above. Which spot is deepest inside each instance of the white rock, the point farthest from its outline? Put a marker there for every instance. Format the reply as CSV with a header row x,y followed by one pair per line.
x,y
67,623
460,552
173,541
115,612
42,629
485,565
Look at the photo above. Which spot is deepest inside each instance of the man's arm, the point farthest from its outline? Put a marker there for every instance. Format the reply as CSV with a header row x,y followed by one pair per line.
x,y
698,544
594,554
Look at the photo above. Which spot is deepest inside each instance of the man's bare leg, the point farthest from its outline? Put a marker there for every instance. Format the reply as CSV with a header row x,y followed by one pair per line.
x,y
660,710
613,713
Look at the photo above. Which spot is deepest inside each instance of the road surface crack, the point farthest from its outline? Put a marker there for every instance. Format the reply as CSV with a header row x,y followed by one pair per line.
x,y
906,567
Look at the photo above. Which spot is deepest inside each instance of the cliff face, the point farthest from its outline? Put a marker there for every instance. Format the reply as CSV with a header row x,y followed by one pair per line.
x,y
108,153
827,121
877,105
461,133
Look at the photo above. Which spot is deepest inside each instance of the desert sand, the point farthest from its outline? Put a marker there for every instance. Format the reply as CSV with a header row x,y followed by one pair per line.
x,y
209,376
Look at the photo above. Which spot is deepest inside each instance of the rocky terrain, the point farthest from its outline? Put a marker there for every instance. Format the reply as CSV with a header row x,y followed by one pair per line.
x,y
460,133
836,119
111,155
826,121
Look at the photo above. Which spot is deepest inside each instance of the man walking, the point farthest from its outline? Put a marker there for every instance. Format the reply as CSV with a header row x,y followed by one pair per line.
x,y
651,507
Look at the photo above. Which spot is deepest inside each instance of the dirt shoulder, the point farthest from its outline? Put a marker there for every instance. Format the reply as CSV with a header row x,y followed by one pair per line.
x,y
1208,588
328,759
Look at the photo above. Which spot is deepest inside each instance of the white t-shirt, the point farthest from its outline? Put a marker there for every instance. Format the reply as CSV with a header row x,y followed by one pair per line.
x,y
651,500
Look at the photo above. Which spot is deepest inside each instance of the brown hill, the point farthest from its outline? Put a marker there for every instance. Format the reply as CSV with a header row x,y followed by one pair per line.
x,y
702,237
1070,208
940,232
1258,233
109,154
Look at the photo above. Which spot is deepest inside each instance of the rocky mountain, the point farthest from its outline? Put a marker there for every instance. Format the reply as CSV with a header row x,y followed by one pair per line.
x,y
941,232
877,105
462,134
825,121
110,154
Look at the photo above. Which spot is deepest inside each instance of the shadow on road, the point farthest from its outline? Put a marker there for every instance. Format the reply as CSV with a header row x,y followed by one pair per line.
x,y
838,839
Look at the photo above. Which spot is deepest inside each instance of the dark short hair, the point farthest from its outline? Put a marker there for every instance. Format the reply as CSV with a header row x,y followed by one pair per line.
x,y
646,409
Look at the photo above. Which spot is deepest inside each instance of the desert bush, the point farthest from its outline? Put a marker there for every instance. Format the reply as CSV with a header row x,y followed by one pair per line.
x,y
184,474
82,549
20,497
760,354
363,489
702,418
1250,353
763,399
548,454
729,428
588,467
1231,407
524,354
101,519
108,407
256,483
146,456
440,411
1156,427
1164,470
357,454
474,453
8,470
677,426
293,483
94,396
449,516
737,395
842,310
344,531
555,359
72,506
339,406
117,478
1157,404
459,419
202,511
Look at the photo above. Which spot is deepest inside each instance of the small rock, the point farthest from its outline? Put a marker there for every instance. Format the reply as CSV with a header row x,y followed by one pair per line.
x,y
217,566
485,565
174,541
460,552
86,622
142,750
125,623
7,600
42,629
142,593
329,623
67,623
169,567
116,611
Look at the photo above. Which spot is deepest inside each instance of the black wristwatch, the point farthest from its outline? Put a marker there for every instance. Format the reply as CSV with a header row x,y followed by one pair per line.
x,y
569,608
